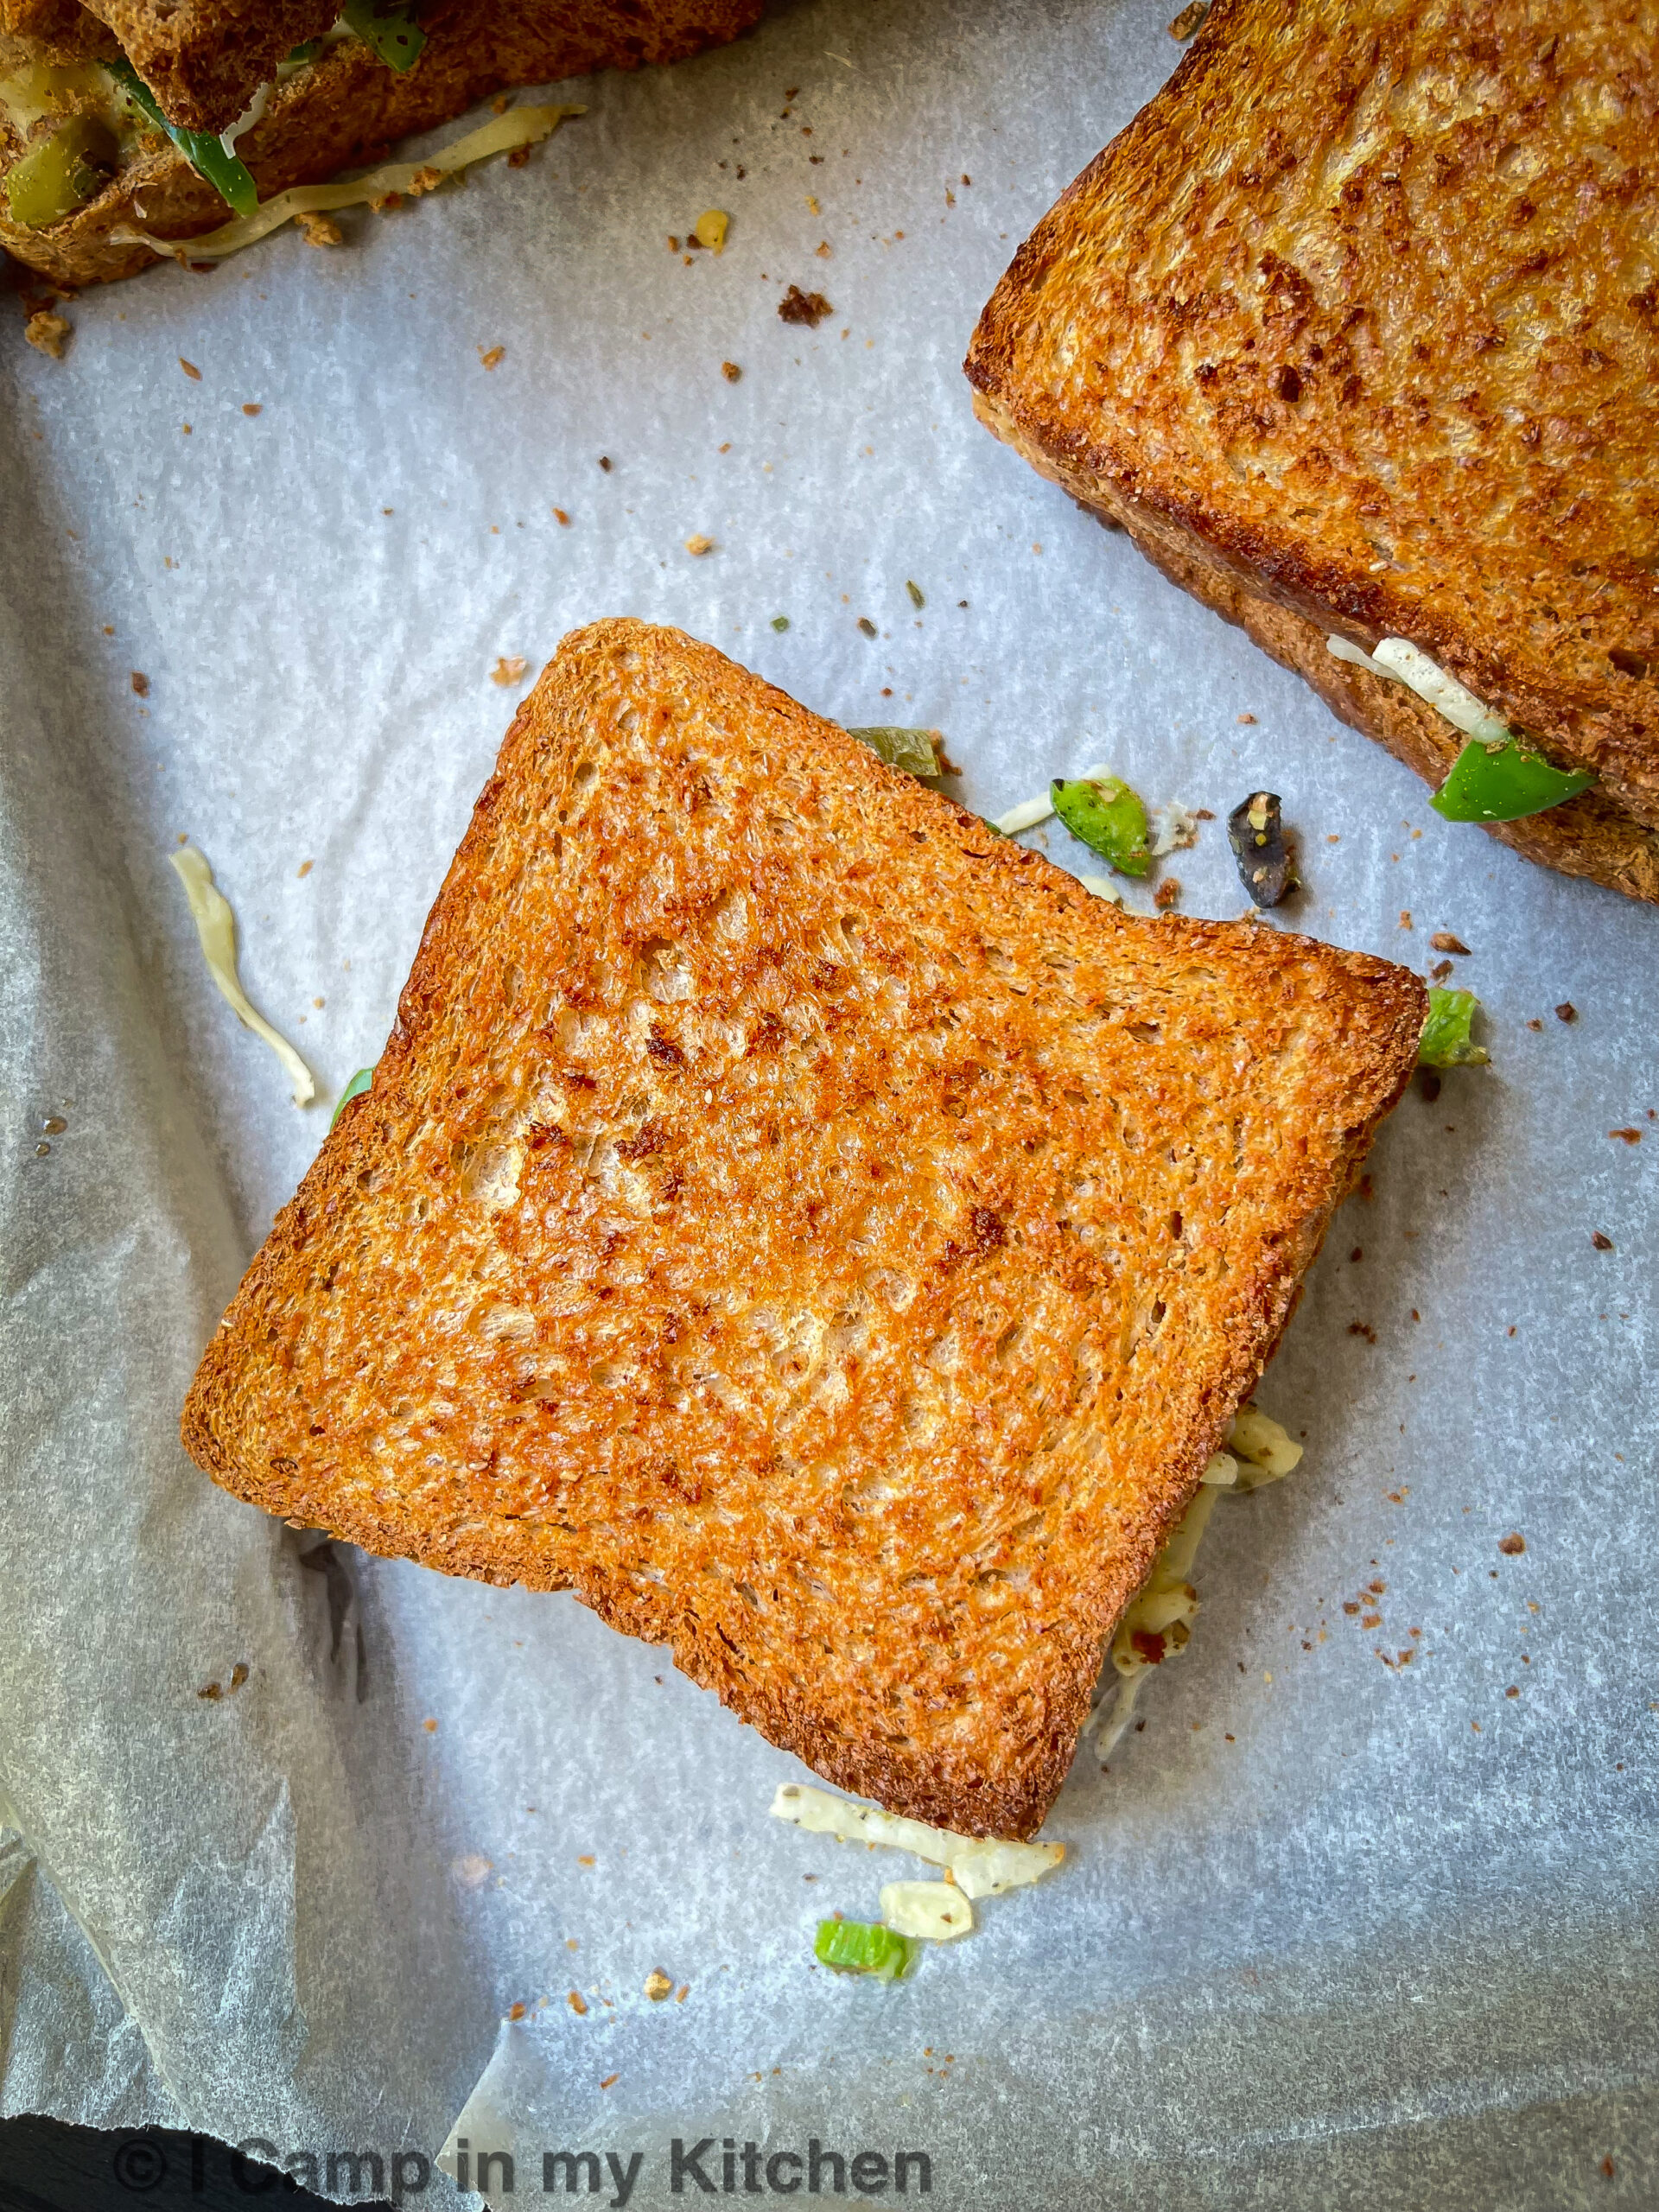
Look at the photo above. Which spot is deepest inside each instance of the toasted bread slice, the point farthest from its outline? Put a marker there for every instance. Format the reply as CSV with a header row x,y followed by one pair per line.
x,y
809,1227
205,60
1354,327
347,107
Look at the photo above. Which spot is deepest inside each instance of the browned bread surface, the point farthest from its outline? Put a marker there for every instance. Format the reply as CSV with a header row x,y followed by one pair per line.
x,y
348,107
205,60
1362,308
808,1226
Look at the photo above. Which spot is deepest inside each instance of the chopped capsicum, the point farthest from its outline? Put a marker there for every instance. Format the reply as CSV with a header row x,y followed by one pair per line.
x,y
864,1947
229,176
392,31
1505,783
1446,1042
913,750
60,172
355,1089
1105,815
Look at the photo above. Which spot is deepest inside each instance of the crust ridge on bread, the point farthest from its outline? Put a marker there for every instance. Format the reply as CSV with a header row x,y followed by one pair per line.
x,y
347,108
1351,322
810,1228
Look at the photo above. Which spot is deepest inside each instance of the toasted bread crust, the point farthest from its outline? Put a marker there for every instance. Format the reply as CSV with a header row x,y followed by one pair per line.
x,y
205,60
348,108
1346,315
809,1227
1590,836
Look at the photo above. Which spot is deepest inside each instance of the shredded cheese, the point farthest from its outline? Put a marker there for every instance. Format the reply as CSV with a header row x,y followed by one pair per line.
x,y
980,1867
938,1912
216,928
520,126
1401,662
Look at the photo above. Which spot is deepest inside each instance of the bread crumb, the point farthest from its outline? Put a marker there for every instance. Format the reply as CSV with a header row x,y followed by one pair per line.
x,y
387,202
809,307
730,370
682,1992
1166,894
517,2012
658,1985
1189,20
493,358
319,230
190,370
140,683
1566,1011
430,1726
212,1693
699,545
609,2079
1247,718
251,407
48,333
1602,1243
519,157
1405,918
1443,941
560,517
586,1859
425,180
1626,1136
508,669
500,104
1513,1545
823,250
577,2002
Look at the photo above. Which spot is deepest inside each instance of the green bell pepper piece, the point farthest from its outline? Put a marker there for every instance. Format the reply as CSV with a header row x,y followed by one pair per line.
x,y
355,1089
228,176
864,1947
909,749
391,31
1108,817
1503,783
60,172
1446,1042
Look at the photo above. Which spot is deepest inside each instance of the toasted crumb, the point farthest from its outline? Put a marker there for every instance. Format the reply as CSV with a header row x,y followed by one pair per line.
x,y
1166,894
560,517
508,669
430,1726
213,1692
869,628
1626,1136
605,463
501,102
190,370
319,230
425,180
1405,918
577,2002
519,157
48,333
305,868
609,2079
140,683
730,370
493,358
699,545
517,2012
1443,941
810,308
1439,971
1513,1545
658,1985
251,407
1602,1243
1189,19
1534,1025
1247,718
387,203
710,229
682,1992
1566,1011
823,251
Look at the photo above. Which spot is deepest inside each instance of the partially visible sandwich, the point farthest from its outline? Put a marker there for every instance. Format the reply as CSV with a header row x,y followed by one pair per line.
x,y
1356,330
808,1225
111,119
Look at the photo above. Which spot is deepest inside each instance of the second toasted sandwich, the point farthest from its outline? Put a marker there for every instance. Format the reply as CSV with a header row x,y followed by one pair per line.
x,y
1356,330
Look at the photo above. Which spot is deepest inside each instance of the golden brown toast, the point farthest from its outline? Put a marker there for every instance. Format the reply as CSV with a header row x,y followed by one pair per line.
x,y
807,1225
1355,327
347,107
205,60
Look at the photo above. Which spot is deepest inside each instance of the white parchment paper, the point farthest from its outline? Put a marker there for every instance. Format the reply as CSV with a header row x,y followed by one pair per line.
x,y
1335,1918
